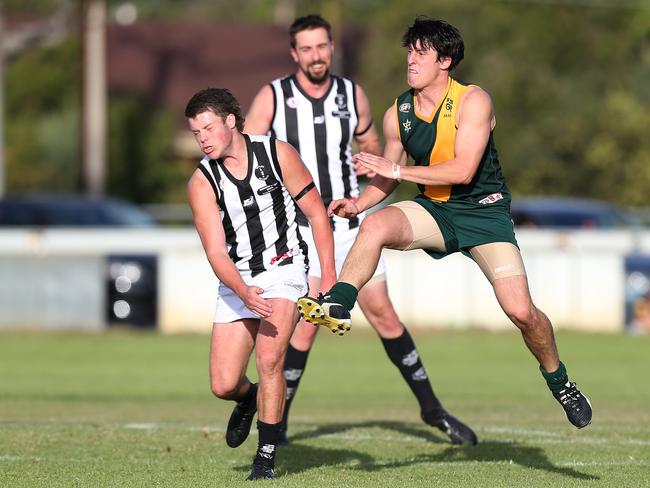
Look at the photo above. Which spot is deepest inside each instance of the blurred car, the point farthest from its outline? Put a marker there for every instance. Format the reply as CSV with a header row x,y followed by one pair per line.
x,y
70,211
131,280
559,212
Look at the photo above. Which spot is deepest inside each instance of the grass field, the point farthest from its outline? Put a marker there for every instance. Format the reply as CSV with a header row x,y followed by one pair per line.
x,y
134,410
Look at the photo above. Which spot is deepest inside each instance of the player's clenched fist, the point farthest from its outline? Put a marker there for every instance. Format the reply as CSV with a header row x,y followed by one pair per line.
x,y
344,207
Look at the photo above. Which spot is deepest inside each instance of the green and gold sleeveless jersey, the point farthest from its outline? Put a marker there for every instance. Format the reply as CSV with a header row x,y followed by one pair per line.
x,y
430,140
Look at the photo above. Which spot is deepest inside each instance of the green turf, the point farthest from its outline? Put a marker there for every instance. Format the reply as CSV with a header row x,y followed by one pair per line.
x,y
134,410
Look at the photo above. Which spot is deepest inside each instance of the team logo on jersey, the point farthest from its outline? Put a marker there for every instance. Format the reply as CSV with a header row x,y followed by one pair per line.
x,y
449,105
405,107
341,101
292,102
262,173
249,202
319,119
407,126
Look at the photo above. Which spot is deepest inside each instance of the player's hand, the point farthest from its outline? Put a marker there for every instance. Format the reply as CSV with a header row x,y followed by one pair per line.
x,y
255,303
375,164
362,170
344,207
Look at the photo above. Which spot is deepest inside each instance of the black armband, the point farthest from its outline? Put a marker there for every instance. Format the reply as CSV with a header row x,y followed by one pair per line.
x,y
357,134
304,191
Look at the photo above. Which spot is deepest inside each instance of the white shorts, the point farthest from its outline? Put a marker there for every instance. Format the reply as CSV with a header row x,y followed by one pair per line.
x,y
343,240
289,282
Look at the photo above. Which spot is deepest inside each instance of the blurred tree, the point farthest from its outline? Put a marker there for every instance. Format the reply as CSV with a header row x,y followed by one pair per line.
x,y
42,120
142,166
203,10
34,8
43,137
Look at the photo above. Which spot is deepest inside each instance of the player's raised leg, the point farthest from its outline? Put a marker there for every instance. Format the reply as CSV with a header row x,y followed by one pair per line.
x,y
387,227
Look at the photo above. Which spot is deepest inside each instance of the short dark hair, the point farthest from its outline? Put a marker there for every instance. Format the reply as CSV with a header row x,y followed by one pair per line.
x,y
438,35
312,21
217,100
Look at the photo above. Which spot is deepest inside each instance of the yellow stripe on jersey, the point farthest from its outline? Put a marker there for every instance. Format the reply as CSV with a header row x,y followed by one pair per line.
x,y
446,129
399,134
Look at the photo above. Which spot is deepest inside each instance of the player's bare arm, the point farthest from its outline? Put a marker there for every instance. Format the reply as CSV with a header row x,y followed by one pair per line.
x,y
210,229
260,115
380,187
299,183
475,121
366,135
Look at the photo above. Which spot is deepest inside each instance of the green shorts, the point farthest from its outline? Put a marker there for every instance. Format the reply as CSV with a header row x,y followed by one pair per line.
x,y
465,225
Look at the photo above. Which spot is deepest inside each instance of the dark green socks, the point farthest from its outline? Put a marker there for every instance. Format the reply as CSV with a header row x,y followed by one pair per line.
x,y
344,294
557,379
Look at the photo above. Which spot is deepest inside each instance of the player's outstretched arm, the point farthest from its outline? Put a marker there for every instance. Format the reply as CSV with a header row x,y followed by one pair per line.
x,y
300,184
210,229
260,115
385,182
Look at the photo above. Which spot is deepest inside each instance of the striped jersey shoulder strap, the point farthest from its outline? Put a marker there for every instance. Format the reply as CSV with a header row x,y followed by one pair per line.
x,y
210,169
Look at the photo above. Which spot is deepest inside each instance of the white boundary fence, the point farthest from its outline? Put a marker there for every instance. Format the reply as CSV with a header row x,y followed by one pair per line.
x,y
57,279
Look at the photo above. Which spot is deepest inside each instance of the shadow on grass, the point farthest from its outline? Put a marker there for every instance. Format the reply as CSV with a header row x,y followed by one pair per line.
x,y
428,435
298,457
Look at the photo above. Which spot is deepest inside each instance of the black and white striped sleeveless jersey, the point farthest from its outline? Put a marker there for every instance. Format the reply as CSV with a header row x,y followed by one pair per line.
x,y
321,130
258,213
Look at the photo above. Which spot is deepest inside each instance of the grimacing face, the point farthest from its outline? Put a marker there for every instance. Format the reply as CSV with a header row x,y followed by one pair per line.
x,y
213,133
313,54
423,65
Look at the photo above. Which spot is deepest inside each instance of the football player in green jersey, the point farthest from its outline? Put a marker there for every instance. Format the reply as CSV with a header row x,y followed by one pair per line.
x,y
464,205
